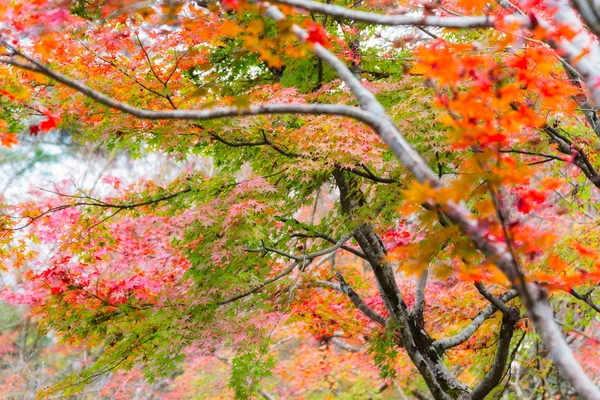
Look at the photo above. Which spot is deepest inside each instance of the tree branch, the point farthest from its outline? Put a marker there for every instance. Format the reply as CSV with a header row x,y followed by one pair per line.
x,y
345,346
586,298
330,240
581,49
97,203
358,302
582,162
257,288
453,341
374,114
198,115
395,20
420,297
309,256
494,375
499,304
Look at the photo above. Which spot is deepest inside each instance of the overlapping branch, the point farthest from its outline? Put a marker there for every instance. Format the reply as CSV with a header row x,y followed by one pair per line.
x,y
259,287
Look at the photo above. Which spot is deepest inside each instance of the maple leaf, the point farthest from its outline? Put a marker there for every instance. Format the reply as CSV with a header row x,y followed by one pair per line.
x,y
34,129
231,4
47,124
8,139
316,34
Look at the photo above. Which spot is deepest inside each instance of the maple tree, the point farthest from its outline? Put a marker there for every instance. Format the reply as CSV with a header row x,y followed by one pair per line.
x,y
418,178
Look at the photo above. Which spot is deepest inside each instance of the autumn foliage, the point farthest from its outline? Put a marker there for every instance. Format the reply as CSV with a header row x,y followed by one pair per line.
x,y
364,199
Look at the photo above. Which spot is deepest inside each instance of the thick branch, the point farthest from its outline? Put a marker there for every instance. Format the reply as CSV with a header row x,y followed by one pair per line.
x,y
393,20
420,297
198,115
588,14
345,346
581,49
494,375
586,107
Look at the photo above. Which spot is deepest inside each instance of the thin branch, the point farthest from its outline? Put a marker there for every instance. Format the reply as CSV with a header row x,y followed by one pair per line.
x,y
267,142
330,240
358,302
309,256
581,161
371,175
257,288
325,284
96,203
147,56
586,298
499,304
531,153
453,341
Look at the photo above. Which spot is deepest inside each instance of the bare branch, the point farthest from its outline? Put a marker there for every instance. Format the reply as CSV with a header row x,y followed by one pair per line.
x,y
581,160
147,56
588,14
308,256
96,203
330,240
325,284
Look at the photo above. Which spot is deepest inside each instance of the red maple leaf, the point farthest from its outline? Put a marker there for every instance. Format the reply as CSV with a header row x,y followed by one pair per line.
x,y
48,124
231,4
34,130
316,34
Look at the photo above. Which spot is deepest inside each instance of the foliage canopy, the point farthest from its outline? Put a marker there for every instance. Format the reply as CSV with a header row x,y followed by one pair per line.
x,y
412,183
